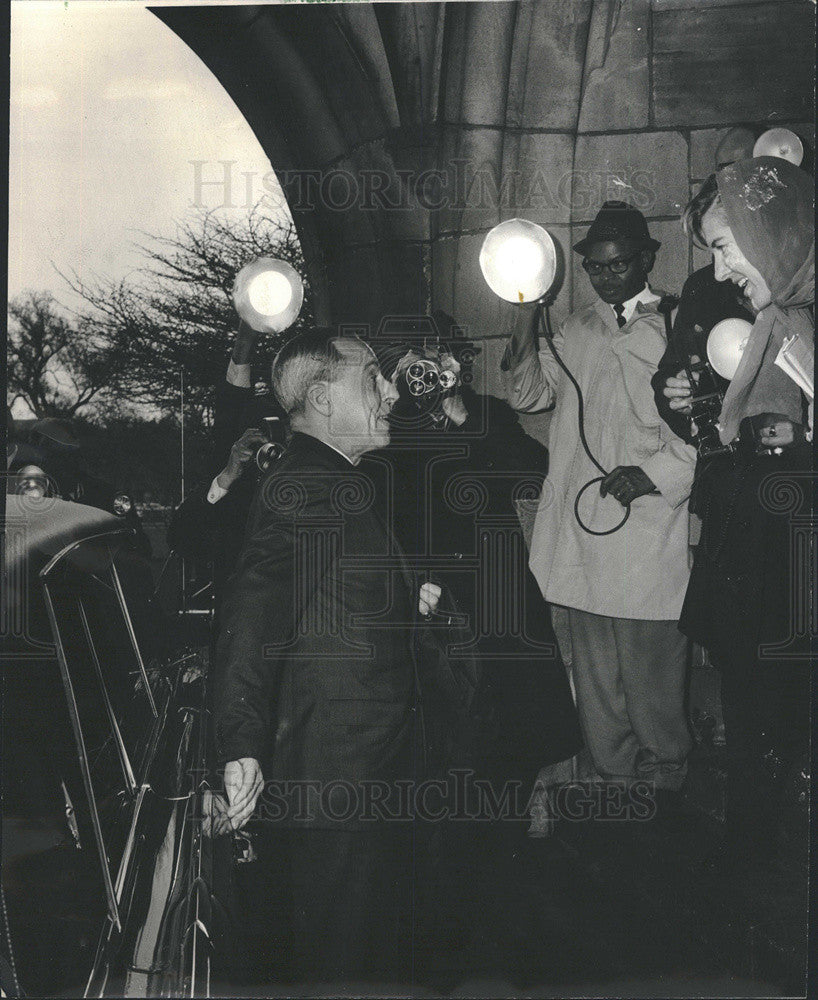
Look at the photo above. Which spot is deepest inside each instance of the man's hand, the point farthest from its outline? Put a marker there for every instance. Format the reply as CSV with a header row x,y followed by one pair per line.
x,y
626,483
242,452
777,431
428,598
214,815
243,781
453,405
678,390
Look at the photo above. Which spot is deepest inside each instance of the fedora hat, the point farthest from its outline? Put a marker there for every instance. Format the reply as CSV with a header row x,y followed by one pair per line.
x,y
617,220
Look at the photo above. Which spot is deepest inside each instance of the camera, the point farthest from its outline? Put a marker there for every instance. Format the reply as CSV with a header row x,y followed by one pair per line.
x,y
272,450
705,401
428,375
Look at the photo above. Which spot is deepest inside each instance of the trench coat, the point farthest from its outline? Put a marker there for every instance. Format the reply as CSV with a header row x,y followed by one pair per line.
x,y
641,571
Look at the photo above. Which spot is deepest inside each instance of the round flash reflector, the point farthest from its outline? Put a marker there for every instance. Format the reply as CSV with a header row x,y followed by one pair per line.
x,y
518,261
782,143
268,294
726,344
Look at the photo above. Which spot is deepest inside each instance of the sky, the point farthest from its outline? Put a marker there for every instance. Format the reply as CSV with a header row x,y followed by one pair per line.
x,y
108,109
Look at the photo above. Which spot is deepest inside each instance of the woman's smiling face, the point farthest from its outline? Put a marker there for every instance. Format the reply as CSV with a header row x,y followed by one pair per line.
x,y
729,262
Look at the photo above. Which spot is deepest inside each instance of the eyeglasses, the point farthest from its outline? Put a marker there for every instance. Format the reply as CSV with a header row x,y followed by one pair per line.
x,y
617,266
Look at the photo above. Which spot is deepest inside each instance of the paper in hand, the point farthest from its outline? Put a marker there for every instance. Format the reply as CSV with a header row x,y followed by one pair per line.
x,y
797,359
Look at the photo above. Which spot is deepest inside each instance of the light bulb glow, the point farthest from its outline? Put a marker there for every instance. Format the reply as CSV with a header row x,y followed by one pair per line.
x,y
270,293
519,259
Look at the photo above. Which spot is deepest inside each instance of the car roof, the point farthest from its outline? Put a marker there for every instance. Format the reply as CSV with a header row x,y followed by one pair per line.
x,y
44,526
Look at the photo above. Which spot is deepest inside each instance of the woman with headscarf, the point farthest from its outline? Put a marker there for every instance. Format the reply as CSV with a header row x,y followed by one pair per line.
x,y
756,216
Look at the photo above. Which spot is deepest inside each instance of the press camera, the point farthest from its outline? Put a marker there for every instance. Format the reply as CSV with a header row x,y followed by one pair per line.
x,y
705,401
725,346
272,450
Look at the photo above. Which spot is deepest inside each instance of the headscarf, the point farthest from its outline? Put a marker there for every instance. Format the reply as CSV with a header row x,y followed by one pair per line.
x,y
769,204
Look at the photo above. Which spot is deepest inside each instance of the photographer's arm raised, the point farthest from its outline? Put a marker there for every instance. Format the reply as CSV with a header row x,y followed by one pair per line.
x,y
529,377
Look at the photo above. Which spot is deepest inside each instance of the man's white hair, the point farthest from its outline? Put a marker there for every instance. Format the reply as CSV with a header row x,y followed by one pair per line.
x,y
309,357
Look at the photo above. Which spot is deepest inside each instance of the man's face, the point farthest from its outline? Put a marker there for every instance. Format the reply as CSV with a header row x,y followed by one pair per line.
x,y
610,286
361,400
33,482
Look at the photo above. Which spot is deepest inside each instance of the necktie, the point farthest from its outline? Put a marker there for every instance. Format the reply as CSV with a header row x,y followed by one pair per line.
x,y
619,309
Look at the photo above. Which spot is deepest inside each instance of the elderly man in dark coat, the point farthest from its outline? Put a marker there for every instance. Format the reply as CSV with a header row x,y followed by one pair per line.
x,y
320,671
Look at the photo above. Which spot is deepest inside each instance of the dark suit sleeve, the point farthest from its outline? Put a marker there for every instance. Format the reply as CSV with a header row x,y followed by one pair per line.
x,y
193,525
230,416
264,600
504,444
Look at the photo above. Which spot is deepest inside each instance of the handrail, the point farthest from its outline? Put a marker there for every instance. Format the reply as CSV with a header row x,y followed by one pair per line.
x,y
124,757
82,753
132,636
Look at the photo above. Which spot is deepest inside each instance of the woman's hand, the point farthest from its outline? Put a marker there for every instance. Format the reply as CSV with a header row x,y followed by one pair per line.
x,y
777,431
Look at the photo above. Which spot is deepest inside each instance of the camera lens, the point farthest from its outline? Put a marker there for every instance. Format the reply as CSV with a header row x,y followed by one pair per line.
x,y
267,455
415,370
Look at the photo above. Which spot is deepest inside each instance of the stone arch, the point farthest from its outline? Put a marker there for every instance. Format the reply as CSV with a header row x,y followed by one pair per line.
x,y
545,107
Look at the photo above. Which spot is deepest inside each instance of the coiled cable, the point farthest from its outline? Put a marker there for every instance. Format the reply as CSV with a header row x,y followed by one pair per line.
x,y
541,318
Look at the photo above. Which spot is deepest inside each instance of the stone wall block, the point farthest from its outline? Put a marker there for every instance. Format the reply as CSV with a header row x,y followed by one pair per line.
x,y
488,54
649,170
671,268
459,287
713,64
616,84
549,73
537,180
369,281
471,159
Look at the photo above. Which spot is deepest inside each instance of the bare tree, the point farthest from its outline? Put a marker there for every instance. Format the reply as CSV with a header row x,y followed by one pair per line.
x,y
58,365
175,318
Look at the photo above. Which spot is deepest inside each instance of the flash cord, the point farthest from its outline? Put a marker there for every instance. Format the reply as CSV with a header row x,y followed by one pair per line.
x,y
541,317
665,306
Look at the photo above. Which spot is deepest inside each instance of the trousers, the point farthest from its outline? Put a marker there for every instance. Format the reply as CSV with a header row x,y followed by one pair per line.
x,y
629,676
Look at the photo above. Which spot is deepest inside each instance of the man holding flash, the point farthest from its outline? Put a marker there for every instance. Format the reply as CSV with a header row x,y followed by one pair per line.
x,y
623,590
